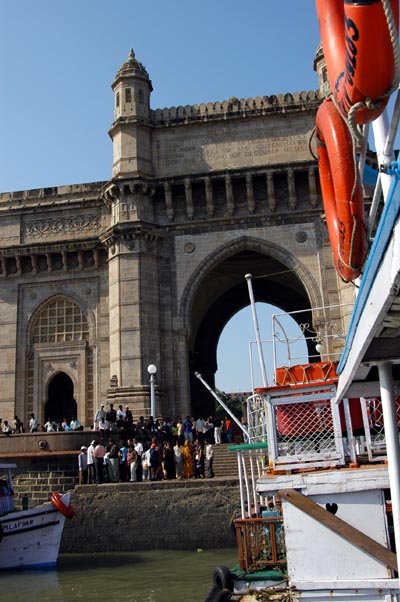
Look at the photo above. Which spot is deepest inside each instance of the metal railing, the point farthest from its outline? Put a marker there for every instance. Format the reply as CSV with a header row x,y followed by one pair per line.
x,y
260,543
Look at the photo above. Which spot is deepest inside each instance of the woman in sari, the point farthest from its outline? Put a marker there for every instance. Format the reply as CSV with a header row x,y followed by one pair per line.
x,y
187,457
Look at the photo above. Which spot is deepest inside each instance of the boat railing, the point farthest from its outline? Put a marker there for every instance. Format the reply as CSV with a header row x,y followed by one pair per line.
x,y
370,430
260,543
303,426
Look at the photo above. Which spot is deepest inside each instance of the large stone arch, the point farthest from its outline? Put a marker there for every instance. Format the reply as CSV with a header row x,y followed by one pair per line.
x,y
60,333
217,290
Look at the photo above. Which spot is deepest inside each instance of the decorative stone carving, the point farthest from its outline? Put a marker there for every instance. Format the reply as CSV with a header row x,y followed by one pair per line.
x,y
189,247
301,236
61,225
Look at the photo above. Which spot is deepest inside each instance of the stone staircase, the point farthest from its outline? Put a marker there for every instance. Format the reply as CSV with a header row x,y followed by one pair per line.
x,y
225,462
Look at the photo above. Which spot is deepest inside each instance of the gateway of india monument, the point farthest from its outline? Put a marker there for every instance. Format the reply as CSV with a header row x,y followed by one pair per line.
x,y
100,280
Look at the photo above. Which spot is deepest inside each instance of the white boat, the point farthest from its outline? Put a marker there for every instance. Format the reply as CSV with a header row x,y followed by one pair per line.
x,y
30,539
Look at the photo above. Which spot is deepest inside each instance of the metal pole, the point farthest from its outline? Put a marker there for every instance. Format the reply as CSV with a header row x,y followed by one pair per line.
x,y
152,397
257,330
240,425
392,443
253,482
349,429
240,484
246,482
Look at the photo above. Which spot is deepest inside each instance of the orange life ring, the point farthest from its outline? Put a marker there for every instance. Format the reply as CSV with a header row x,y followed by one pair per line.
x,y
341,192
56,500
358,53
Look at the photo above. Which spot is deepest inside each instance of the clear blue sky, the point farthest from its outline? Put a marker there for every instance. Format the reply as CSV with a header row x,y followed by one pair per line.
x,y
59,58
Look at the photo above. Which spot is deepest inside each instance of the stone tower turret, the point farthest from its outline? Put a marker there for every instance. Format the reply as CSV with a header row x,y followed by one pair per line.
x,y
130,131
320,68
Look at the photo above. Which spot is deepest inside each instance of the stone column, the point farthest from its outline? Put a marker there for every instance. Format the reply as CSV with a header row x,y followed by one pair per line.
x,y
134,313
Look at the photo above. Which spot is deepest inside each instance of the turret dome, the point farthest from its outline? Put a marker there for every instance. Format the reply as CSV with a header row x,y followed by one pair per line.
x,y
132,68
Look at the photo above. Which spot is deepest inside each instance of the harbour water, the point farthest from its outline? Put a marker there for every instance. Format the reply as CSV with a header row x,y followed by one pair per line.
x,y
160,576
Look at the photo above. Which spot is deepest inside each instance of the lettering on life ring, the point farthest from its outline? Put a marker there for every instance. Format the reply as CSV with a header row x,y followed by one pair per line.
x,y
359,54
57,502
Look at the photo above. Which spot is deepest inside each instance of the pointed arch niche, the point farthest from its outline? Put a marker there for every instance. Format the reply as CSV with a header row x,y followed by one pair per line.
x,y
59,342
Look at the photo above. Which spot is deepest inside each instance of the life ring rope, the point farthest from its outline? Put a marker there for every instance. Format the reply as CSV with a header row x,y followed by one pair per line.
x,y
57,502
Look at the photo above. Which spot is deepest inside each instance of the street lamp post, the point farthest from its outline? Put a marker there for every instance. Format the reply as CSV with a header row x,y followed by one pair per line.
x,y
152,369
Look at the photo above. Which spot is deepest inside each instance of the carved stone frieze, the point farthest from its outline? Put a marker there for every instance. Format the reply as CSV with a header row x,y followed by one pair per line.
x,y
61,225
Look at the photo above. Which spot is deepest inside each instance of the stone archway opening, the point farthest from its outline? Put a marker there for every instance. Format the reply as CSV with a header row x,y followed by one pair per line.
x,y
237,353
60,402
224,292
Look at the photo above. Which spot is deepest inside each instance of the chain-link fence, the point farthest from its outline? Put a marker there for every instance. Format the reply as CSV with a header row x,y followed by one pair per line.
x,y
303,427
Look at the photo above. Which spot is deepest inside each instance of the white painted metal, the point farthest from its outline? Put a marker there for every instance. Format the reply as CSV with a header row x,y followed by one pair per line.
x,y
221,402
392,443
349,429
253,483
246,481
314,552
239,462
379,300
384,153
257,330
329,452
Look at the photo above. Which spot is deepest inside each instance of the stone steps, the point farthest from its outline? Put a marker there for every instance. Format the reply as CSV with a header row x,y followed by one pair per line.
x,y
225,462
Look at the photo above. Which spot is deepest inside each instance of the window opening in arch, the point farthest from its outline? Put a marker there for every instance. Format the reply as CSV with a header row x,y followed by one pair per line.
x,y
60,321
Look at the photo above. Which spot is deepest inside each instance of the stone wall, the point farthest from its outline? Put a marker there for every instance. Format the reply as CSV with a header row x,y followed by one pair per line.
x,y
150,516
37,476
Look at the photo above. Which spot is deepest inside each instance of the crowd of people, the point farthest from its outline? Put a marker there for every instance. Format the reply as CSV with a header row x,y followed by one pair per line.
x,y
213,428
151,449
50,426
108,421
16,426
131,460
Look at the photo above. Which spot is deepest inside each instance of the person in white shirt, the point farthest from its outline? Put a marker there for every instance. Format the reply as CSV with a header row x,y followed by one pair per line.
x,y
49,426
178,461
90,463
121,415
209,452
139,450
200,424
75,424
7,430
103,428
33,424
100,413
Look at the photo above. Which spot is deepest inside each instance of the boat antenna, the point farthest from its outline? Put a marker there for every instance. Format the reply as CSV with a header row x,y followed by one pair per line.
x,y
257,330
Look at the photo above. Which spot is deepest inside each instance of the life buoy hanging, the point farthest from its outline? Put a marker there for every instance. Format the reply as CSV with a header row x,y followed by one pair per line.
x,y
358,47
341,192
56,500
